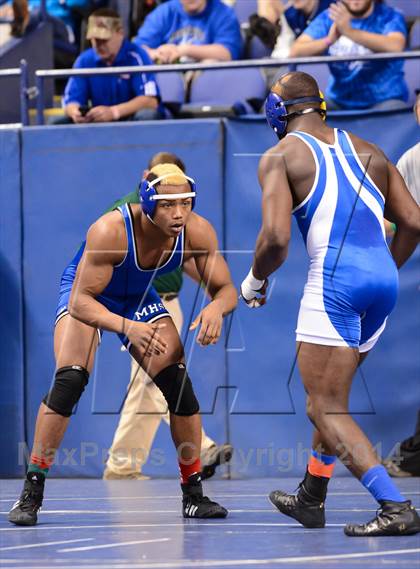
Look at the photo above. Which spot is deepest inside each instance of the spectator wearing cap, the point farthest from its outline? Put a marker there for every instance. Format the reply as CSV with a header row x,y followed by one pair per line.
x,y
191,30
105,98
359,27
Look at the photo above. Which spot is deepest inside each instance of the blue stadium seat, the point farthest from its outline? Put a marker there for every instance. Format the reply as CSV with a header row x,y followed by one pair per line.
x,y
414,37
412,76
410,8
224,89
244,8
257,50
172,91
320,71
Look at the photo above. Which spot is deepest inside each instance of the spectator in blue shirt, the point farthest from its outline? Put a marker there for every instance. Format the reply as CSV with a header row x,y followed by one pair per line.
x,y
300,13
297,13
292,18
112,97
359,27
191,30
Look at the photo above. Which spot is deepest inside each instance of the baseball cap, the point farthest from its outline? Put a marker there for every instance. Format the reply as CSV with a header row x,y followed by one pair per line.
x,y
102,27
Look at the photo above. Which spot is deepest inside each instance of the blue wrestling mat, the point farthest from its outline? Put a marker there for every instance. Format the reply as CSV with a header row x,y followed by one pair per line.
x,y
93,524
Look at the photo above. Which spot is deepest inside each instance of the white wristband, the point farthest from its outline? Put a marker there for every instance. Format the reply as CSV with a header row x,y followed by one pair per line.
x,y
250,286
115,113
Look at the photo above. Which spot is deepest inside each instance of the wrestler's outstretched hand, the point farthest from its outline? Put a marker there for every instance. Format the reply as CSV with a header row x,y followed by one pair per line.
x,y
211,319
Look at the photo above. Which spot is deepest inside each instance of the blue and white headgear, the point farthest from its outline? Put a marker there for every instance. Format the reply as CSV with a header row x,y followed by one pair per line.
x,y
277,115
149,196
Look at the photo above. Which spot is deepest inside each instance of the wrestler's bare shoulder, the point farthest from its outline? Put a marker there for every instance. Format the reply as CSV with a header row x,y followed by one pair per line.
x,y
108,232
199,231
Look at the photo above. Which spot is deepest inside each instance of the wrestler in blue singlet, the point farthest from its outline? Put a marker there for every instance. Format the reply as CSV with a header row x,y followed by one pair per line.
x,y
130,292
353,280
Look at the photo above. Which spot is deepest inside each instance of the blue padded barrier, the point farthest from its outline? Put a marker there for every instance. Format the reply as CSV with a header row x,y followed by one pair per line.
x,y
393,132
268,425
71,175
11,329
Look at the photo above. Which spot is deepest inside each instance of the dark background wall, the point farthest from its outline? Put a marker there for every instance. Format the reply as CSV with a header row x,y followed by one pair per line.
x,y
36,48
12,407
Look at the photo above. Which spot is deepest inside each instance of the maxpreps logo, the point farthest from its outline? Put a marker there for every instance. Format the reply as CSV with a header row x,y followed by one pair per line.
x,y
149,310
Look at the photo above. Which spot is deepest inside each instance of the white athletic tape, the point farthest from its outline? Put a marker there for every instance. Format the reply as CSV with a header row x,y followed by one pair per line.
x,y
250,289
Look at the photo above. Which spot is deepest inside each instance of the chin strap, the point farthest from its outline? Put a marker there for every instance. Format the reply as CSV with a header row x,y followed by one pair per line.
x,y
295,114
150,219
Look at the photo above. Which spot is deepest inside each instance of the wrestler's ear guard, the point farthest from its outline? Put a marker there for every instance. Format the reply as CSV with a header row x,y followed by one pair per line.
x,y
277,115
148,195
323,105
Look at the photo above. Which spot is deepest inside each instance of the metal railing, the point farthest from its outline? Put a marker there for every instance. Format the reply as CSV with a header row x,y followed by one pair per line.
x,y
42,74
22,73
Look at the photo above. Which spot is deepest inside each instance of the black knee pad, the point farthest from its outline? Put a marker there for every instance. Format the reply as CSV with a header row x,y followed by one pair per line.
x,y
176,386
69,384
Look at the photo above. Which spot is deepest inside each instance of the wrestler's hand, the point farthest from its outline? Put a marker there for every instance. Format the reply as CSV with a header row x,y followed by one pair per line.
x,y
146,338
211,319
253,291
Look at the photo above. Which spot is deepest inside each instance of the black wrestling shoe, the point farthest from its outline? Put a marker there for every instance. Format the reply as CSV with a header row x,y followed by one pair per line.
x,y
195,505
214,457
24,511
394,469
307,510
393,518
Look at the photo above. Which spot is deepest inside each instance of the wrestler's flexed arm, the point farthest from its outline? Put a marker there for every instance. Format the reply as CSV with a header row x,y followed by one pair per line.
x,y
274,236
106,246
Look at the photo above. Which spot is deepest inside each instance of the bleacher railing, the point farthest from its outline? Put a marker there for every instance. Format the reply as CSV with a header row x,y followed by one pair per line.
x,y
22,73
43,74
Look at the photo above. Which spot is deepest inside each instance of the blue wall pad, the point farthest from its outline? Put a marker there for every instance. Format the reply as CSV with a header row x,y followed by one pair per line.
x,y
249,391
11,332
71,175
268,425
